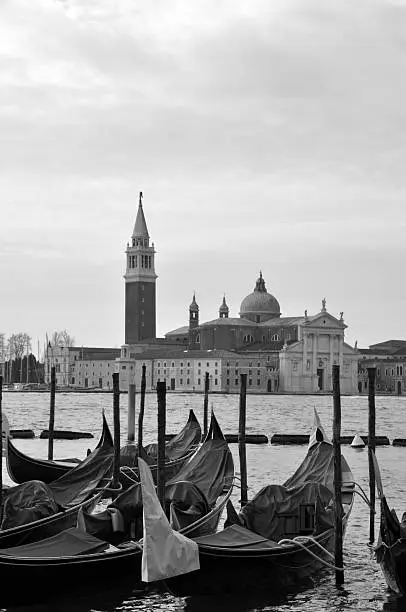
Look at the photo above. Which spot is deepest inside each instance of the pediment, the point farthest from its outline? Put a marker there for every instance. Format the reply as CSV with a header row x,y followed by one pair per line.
x,y
324,320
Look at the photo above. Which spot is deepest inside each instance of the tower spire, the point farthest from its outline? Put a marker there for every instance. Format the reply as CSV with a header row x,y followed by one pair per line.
x,y
140,227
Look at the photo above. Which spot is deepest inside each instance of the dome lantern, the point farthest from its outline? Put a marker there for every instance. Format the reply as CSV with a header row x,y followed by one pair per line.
x,y
260,305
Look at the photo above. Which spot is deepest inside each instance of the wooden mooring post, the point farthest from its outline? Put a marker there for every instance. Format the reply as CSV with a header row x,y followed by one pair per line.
x,y
1,438
241,439
131,414
116,426
51,425
371,450
338,507
161,396
206,404
142,407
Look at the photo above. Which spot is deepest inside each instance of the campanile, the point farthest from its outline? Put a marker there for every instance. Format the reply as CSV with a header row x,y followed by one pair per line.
x,y
140,281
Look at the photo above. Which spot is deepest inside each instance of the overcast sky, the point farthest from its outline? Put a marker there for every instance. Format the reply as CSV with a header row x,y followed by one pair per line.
x,y
264,134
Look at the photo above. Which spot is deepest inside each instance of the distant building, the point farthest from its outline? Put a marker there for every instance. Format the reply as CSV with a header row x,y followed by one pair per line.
x,y
82,367
285,354
389,359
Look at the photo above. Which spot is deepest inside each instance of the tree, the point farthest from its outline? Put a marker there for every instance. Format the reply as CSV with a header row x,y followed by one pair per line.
x,y
62,338
18,344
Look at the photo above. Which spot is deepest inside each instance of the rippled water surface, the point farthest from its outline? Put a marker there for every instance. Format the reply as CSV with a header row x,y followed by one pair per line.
x,y
364,589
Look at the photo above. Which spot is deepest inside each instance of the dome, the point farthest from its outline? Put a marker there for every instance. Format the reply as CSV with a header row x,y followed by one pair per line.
x,y
260,304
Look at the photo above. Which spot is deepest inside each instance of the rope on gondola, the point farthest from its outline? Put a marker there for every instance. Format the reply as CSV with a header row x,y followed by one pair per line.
x,y
298,541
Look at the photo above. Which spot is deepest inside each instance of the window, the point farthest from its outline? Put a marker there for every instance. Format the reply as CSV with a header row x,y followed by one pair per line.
x,y
73,381
164,364
236,381
208,365
188,364
294,366
228,372
250,364
173,364
248,338
258,383
215,381
181,381
249,382
199,364
258,364
198,381
236,364
250,372
228,382
181,371
199,371
159,371
216,371
181,364
188,381
123,367
275,338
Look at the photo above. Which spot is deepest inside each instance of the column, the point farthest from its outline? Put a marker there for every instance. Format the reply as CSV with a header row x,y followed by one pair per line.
x,y
314,353
340,352
330,374
304,353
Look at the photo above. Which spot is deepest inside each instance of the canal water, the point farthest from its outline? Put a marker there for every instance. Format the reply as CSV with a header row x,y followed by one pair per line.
x,y
364,589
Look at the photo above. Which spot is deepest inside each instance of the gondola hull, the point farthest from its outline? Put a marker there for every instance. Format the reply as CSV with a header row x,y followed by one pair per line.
x,y
43,579
23,468
269,570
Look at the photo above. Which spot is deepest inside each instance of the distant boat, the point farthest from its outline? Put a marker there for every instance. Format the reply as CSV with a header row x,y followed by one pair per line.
x,y
357,442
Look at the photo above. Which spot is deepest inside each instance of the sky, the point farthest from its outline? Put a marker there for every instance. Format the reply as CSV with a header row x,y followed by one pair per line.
x,y
264,136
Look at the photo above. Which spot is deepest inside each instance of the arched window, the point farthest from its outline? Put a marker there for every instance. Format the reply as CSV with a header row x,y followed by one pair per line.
x,y
197,338
275,338
248,338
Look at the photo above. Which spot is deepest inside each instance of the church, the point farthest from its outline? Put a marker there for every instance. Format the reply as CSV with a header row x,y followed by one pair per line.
x,y
292,354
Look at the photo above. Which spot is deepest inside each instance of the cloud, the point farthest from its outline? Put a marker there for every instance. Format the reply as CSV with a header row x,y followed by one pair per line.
x,y
258,132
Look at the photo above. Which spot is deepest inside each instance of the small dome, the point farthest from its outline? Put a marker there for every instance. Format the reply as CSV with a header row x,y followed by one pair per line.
x,y
260,303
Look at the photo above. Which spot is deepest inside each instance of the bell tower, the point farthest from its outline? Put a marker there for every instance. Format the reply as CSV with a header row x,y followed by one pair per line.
x,y
140,281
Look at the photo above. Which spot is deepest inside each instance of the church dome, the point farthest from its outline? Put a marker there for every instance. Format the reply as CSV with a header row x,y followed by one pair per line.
x,y
260,305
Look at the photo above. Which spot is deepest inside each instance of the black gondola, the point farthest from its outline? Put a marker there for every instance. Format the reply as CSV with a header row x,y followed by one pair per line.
x,y
84,559
22,468
24,519
281,537
390,550
177,451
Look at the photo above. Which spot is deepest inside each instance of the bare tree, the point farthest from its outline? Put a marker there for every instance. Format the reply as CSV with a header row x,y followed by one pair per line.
x,y
62,338
18,344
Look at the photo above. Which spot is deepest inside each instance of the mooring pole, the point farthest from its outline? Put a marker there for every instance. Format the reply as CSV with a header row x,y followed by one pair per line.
x,y
241,439
116,425
142,407
51,416
161,396
1,457
206,404
338,508
371,450
131,414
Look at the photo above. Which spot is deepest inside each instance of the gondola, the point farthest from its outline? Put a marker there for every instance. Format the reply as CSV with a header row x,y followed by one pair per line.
x,y
282,536
95,554
35,510
177,451
22,468
390,550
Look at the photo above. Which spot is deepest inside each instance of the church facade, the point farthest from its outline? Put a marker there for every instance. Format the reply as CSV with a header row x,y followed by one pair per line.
x,y
291,354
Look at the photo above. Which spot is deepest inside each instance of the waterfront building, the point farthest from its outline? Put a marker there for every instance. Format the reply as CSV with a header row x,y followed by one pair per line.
x,y
389,359
278,354
81,367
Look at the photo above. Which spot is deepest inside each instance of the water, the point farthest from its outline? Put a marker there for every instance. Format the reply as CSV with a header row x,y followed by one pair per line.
x,y
364,589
